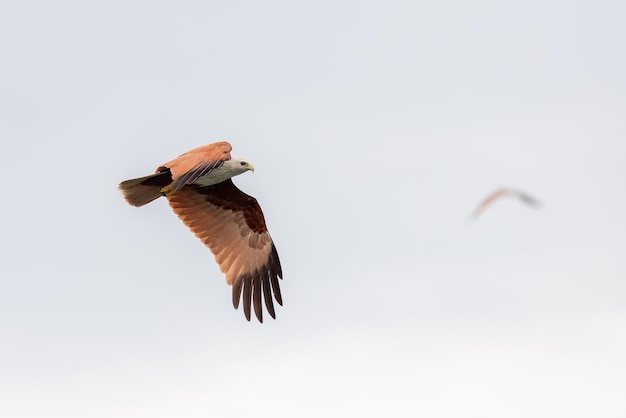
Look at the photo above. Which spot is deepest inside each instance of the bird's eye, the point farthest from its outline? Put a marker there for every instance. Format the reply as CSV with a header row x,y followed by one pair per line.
x,y
243,163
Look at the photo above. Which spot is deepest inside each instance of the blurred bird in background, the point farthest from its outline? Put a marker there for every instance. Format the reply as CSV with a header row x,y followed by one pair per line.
x,y
502,193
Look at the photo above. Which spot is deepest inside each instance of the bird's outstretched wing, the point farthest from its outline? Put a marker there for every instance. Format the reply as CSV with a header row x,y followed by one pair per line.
x,y
232,225
501,193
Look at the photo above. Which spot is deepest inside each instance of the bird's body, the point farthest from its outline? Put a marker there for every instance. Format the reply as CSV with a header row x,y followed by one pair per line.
x,y
501,193
199,189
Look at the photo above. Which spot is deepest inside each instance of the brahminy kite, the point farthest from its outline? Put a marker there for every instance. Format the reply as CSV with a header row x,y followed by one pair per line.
x,y
504,192
199,189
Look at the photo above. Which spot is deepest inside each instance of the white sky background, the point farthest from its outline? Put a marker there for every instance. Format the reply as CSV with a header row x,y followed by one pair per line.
x,y
375,129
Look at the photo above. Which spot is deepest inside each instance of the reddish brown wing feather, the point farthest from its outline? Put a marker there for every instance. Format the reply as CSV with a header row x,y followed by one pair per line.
x,y
198,162
203,169
232,225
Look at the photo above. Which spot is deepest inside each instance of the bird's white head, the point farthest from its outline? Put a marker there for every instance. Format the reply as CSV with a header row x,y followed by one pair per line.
x,y
238,166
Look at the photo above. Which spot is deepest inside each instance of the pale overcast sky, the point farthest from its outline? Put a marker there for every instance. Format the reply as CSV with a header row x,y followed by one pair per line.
x,y
375,129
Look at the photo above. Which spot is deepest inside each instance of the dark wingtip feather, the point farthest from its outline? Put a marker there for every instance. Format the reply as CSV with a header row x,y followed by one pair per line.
x,y
247,295
256,293
237,287
276,289
276,262
275,273
267,293
261,286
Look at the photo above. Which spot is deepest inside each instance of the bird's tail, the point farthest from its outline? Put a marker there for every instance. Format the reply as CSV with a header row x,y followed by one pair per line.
x,y
143,190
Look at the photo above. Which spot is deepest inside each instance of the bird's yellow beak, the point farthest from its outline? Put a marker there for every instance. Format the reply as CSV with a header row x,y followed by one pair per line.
x,y
251,167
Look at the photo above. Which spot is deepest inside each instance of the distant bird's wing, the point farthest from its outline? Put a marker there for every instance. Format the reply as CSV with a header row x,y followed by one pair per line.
x,y
528,199
499,194
489,200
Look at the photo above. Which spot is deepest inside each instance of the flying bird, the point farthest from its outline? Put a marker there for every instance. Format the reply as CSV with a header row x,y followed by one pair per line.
x,y
230,223
501,193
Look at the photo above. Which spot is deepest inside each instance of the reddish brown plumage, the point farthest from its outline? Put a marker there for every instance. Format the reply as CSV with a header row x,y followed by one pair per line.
x,y
186,168
224,218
